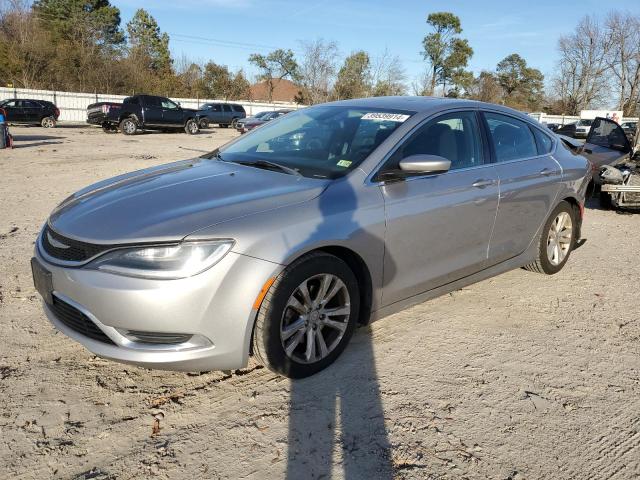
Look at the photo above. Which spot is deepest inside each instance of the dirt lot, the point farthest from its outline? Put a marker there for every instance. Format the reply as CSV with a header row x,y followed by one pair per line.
x,y
521,376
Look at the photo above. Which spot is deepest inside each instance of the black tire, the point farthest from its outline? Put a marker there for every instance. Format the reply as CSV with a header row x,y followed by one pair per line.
x,y
268,347
543,264
604,199
128,126
109,128
234,123
192,127
204,123
48,122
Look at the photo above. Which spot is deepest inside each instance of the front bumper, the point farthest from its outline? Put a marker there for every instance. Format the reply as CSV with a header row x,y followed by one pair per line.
x,y
216,305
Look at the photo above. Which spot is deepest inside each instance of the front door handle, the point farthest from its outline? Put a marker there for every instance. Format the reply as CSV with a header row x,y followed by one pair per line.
x,y
482,183
546,172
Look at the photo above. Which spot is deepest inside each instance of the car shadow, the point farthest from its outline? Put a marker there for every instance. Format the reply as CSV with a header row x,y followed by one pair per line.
x,y
34,144
33,138
336,417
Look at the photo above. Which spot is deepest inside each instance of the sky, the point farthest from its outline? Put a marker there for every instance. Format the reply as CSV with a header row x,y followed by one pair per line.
x,y
228,31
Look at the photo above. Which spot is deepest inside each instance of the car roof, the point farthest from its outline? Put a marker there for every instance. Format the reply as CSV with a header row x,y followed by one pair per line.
x,y
425,104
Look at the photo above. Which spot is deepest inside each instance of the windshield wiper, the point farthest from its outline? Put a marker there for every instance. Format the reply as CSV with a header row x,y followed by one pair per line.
x,y
269,165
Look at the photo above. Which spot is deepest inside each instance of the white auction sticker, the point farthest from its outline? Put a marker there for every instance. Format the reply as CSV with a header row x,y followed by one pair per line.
x,y
391,117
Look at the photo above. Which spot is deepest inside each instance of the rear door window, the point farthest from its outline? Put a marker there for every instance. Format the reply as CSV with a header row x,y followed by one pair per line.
x,y
545,144
512,138
226,108
238,108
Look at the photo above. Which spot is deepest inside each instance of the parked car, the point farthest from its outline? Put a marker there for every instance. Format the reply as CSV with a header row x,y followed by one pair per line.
x,y
31,112
552,126
244,126
224,114
629,129
579,129
280,242
143,112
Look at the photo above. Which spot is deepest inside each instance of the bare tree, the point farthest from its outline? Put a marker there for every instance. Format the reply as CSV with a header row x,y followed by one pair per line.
x,y
387,75
581,80
624,59
421,85
318,70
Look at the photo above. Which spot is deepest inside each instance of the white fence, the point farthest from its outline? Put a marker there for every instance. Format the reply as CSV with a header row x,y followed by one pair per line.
x,y
564,119
73,105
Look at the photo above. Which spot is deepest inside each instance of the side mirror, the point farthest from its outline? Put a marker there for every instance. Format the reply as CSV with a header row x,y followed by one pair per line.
x,y
424,164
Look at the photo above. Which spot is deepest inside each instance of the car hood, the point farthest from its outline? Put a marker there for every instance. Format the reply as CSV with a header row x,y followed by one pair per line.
x,y
169,202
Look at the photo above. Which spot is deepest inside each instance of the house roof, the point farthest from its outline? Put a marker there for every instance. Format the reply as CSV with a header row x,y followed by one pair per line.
x,y
283,91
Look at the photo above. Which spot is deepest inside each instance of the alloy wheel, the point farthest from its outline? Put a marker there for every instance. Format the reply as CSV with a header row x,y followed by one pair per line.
x,y
315,318
559,238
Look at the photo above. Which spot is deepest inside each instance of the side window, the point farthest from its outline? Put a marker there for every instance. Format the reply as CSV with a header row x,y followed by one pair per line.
x,y
237,108
512,138
606,133
453,136
545,144
134,101
226,108
152,102
216,107
168,104
10,104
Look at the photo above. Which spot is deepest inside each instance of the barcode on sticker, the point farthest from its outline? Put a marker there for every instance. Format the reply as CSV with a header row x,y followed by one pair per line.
x,y
391,117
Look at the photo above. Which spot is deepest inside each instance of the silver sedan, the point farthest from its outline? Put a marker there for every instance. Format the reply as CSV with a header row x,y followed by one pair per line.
x,y
281,242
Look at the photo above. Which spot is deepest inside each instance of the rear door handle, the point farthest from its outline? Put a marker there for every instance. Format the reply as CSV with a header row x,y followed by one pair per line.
x,y
482,183
546,172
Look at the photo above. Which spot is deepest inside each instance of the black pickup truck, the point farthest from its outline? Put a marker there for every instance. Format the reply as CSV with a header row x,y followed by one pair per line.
x,y
143,112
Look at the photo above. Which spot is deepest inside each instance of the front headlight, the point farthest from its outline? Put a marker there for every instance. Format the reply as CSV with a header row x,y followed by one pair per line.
x,y
163,261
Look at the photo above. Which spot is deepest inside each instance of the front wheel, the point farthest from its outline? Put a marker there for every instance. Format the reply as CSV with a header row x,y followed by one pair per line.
x,y
48,122
556,241
307,317
191,127
204,123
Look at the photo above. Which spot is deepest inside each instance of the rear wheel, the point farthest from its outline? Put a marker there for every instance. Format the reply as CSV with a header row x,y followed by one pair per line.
x,y
307,317
109,128
191,127
128,126
556,241
48,122
234,123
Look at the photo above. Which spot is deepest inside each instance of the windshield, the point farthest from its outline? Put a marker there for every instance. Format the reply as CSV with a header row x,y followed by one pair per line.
x,y
321,142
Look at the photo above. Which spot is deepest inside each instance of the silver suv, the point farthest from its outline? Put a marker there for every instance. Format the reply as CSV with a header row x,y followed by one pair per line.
x,y
281,242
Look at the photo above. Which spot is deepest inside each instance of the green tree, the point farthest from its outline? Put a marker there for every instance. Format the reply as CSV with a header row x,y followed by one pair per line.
x,y
80,20
278,64
447,53
148,44
353,79
219,82
523,86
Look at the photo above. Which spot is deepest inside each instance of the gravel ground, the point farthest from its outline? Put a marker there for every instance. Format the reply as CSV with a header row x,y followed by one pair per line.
x,y
521,376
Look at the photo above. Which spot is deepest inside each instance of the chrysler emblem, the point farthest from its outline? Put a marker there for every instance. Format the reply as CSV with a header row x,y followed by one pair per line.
x,y
55,243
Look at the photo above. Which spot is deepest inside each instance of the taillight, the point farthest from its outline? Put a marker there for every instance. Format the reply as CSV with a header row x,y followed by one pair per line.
x,y
57,112
581,205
